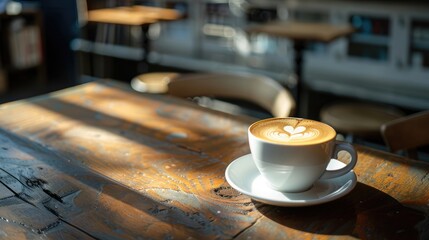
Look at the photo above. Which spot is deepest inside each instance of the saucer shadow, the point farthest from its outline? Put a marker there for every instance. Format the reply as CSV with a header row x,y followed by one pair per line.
x,y
365,213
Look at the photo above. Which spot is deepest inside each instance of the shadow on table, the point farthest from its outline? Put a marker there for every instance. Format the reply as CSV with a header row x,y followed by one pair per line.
x,y
365,213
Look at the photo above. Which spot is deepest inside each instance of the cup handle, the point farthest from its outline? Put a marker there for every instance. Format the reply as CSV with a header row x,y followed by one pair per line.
x,y
339,146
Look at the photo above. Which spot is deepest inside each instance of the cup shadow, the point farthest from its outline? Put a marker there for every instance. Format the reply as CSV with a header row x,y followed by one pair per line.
x,y
365,213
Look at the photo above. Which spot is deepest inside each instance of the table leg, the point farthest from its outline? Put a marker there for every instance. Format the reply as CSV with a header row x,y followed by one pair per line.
x,y
144,65
298,47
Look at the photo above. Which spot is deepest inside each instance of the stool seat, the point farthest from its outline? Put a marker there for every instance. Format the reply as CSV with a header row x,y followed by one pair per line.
x,y
155,82
359,119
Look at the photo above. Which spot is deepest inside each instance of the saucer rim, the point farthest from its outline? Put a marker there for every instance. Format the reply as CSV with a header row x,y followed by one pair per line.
x,y
343,189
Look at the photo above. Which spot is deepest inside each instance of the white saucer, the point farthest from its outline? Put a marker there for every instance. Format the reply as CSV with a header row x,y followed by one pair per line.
x,y
243,175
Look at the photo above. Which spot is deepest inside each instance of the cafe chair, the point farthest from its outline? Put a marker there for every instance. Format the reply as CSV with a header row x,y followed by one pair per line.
x,y
407,133
207,88
359,120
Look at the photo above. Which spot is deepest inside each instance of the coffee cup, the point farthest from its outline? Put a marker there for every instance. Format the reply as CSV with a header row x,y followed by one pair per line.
x,y
293,153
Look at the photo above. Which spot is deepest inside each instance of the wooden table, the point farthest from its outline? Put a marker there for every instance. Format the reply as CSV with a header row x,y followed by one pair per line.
x,y
300,33
100,161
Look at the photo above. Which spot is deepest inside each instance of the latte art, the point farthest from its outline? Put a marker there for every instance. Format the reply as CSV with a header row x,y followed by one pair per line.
x,y
292,131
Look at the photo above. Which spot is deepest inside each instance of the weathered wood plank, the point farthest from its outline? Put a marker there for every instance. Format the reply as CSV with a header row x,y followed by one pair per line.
x,y
388,203
401,178
51,194
11,230
366,213
150,149
20,220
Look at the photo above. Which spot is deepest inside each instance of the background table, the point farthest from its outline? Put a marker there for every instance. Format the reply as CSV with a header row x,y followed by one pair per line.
x,y
138,16
100,161
300,33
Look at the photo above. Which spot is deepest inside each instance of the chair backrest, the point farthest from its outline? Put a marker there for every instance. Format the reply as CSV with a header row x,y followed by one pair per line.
x,y
260,90
407,133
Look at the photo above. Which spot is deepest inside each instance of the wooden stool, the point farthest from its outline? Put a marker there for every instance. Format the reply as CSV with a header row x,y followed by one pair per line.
x,y
156,82
358,119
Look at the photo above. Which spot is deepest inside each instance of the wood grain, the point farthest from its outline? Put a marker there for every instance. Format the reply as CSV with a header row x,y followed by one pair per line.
x,y
100,161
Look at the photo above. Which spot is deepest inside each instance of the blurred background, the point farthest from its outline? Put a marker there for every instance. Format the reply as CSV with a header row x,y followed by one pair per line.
x,y
48,45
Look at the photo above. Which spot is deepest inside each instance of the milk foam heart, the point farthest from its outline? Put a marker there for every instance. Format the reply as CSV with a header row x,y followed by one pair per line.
x,y
291,130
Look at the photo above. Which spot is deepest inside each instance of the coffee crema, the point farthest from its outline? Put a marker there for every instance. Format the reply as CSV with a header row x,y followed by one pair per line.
x,y
292,131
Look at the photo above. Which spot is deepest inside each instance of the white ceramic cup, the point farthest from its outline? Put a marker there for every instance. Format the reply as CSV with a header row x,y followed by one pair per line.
x,y
295,159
